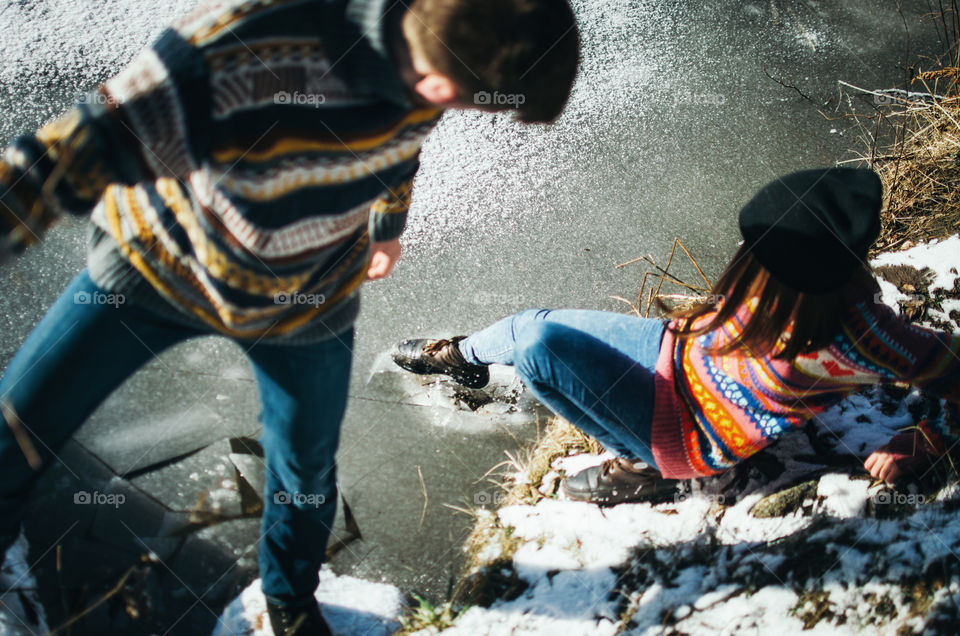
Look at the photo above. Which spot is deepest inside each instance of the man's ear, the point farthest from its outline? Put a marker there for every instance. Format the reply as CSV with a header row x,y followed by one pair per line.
x,y
438,89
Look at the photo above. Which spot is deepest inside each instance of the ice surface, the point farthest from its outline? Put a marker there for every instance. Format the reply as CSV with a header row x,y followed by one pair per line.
x,y
451,406
517,166
89,38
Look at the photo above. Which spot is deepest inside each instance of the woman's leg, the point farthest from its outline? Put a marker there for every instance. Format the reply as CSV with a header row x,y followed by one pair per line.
x,y
590,383
637,338
594,368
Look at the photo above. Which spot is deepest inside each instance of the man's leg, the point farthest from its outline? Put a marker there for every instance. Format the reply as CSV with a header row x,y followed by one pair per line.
x,y
86,345
303,394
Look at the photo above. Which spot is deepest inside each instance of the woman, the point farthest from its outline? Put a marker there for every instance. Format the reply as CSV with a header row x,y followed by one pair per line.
x,y
795,329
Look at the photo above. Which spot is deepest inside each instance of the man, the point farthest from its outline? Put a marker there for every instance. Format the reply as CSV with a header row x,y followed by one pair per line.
x,y
244,175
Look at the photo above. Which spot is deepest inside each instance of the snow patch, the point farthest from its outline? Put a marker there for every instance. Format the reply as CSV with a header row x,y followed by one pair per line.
x,y
941,257
350,605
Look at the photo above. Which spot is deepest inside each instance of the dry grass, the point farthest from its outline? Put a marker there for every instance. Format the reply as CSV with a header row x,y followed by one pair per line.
x,y
520,478
912,140
919,167
686,295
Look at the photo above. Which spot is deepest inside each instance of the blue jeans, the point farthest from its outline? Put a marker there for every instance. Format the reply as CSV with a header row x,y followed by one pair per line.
x,y
81,351
595,369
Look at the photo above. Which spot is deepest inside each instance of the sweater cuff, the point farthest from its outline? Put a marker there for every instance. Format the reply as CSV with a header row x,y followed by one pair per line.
x,y
935,436
386,227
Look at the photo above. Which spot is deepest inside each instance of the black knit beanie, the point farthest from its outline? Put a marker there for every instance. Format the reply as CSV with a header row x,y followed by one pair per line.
x,y
812,229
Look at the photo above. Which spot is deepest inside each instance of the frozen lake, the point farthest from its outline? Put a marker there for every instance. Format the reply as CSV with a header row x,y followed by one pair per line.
x,y
673,125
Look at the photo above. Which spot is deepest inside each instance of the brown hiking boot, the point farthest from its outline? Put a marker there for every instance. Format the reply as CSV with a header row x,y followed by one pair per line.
x,y
619,480
440,356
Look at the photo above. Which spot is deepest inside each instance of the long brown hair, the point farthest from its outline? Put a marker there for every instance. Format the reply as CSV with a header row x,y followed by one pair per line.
x,y
785,322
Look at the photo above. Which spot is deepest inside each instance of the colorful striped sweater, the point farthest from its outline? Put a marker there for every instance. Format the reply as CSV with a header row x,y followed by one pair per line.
x,y
713,411
239,168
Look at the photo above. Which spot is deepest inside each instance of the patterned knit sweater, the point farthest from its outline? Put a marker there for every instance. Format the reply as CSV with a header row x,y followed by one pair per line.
x,y
239,168
713,411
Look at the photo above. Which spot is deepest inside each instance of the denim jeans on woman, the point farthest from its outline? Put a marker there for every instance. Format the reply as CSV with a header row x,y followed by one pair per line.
x,y
81,351
596,369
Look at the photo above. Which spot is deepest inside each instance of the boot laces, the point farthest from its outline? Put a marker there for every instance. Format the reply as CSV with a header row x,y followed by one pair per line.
x,y
630,467
435,347
607,466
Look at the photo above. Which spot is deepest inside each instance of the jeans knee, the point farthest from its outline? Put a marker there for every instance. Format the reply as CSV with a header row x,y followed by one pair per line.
x,y
527,316
300,465
523,320
536,345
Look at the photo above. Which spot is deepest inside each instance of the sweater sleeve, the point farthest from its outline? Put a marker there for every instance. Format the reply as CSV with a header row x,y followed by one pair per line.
x,y
929,360
926,358
132,128
388,214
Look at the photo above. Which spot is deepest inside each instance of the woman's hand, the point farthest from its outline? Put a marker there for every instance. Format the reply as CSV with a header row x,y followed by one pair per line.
x,y
883,465
906,454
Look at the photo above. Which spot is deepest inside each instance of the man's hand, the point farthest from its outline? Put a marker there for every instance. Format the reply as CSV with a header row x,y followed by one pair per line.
x,y
384,256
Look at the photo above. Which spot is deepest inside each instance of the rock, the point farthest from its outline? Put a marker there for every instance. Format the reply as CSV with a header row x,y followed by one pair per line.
x,y
785,502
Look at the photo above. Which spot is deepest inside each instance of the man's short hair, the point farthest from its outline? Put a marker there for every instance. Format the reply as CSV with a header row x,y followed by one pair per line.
x,y
502,54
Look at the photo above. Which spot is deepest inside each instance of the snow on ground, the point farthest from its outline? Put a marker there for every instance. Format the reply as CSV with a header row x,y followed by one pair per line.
x,y
699,568
351,606
942,260
845,557
941,257
795,540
